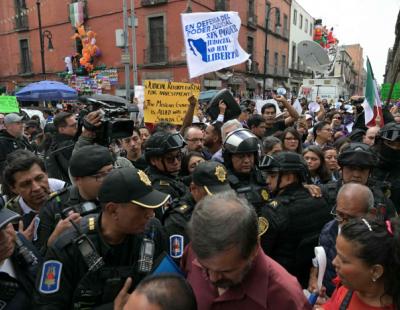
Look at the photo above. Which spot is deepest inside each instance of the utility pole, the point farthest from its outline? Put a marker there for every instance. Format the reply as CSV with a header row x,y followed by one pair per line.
x,y
134,62
41,39
125,56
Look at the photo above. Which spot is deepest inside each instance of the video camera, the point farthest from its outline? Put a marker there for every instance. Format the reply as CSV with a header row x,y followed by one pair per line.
x,y
113,124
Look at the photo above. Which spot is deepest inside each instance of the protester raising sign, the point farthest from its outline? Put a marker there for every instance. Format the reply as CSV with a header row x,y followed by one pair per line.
x,y
211,41
167,101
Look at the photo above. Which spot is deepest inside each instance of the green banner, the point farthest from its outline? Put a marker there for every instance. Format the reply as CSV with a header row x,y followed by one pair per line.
x,y
8,104
385,91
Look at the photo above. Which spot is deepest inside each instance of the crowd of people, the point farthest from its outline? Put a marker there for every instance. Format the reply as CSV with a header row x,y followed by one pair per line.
x,y
229,209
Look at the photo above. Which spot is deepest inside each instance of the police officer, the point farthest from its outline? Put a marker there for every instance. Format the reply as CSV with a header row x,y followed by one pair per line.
x,y
207,178
19,262
387,172
357,162
88,167
88,265
241,153
292,220
163,153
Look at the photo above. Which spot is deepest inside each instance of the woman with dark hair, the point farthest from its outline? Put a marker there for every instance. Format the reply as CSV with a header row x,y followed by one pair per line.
x,y
331,163
367,265
189,162
314,157
291,140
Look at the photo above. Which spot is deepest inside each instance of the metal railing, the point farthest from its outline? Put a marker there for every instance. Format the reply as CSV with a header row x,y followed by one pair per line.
x,y
155,55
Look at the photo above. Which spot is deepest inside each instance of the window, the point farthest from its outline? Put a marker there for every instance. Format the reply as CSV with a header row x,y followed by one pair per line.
x,y
293,54
301,22
283,61
250,47
277,20
311,29
295,17
306,26
21,21
285,25
157,50
267,10
276,55
251,8
220,5
267,57
25,58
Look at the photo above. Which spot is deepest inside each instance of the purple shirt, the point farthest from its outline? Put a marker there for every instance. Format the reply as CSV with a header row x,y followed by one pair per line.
x,y
266,286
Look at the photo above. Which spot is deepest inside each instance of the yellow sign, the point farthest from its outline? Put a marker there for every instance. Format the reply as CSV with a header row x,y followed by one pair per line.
x,y
167,101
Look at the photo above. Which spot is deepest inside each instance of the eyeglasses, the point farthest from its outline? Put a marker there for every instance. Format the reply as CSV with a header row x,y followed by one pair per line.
x,y
338,118
339,216
291,139
170,159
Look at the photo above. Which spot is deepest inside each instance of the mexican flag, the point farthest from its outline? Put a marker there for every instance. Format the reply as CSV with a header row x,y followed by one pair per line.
x,y
372,103
76,13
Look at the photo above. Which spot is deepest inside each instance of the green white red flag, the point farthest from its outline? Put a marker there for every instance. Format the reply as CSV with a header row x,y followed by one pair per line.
x,y
76,13
372,103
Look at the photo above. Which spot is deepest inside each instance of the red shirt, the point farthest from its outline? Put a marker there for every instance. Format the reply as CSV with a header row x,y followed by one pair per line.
x,y
355,303
266,286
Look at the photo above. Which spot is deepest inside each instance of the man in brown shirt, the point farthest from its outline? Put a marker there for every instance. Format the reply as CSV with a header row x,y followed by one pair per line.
x,y
225,265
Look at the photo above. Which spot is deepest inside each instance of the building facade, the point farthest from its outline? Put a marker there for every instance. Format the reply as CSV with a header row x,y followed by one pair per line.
x,y
356,53
160,50
393,60
301,28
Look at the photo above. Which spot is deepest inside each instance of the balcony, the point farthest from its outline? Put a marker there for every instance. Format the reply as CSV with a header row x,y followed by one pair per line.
x,y
300,67
252,21
277,71
155,56
153,2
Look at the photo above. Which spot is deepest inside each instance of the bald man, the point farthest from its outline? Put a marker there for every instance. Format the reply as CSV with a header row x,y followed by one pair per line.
x,y
369,137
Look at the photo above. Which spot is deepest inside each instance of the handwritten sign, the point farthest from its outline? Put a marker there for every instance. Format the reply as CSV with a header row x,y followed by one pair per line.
x,y
211,41
8,104
167,101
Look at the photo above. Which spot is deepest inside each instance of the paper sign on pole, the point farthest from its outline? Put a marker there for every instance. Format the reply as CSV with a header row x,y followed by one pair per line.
x,y
167,101
9,104
211,41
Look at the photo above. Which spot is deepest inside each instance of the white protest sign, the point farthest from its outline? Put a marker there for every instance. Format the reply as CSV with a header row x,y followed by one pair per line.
x,y
211,41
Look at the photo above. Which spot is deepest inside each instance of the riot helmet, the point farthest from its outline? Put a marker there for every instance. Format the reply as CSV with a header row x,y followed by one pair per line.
x,y
387,144
240,141
163,142
357,154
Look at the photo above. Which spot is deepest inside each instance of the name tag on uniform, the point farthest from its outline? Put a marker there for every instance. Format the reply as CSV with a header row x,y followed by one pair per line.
x,y
50,277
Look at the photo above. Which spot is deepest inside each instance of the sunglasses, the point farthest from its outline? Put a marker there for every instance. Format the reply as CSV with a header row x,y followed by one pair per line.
x,y
170,159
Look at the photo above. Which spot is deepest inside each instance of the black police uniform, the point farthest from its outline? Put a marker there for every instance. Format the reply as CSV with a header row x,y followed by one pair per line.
x,y
16,289
251,186
166,183
81,288
55,209
176,217
295,220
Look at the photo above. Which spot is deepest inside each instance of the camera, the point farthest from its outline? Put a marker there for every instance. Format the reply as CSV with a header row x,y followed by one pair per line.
x,y
113,124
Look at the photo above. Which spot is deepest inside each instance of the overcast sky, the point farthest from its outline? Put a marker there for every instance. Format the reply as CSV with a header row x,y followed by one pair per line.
x,y
368,22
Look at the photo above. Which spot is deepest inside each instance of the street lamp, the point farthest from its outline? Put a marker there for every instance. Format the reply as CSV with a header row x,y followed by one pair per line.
x,y
277,25
42,35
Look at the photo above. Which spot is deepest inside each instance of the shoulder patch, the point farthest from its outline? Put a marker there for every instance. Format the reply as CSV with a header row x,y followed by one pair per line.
x,y
50,277
52,195
263,226
164,183
264,194
176,246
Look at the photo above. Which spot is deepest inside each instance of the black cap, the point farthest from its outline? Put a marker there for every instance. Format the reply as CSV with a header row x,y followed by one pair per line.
x,y
89,159
32,123
7,216
212,176
131,185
